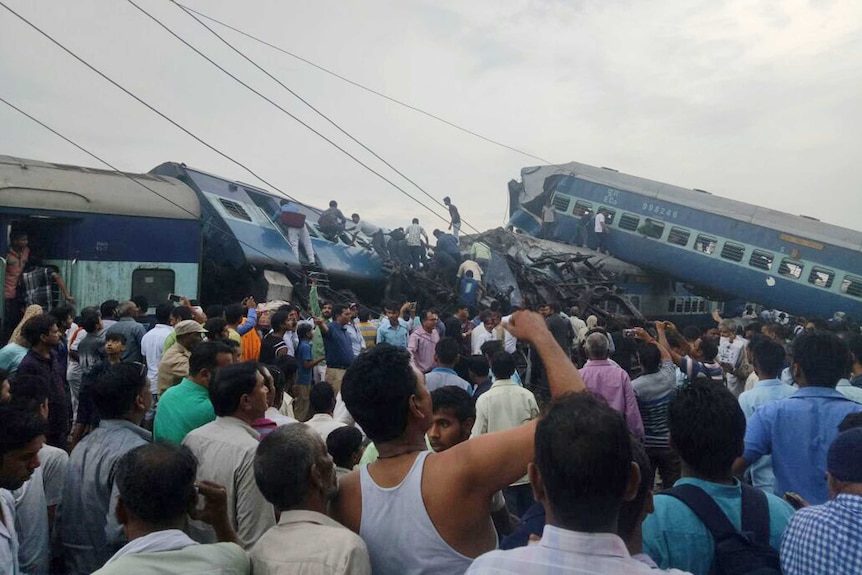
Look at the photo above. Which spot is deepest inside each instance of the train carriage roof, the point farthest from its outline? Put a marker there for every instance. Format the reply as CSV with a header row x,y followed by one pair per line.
x,y
46,186
534,177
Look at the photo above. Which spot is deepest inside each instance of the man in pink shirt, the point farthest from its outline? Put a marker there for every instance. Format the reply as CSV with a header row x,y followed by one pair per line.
x,y
423,342
609,380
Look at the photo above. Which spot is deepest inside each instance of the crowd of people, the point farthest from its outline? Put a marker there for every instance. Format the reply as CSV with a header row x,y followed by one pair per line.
x,y
275,438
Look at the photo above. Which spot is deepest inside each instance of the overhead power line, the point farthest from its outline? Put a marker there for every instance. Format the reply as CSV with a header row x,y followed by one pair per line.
x,y
283,110
366,88
306,103
147,105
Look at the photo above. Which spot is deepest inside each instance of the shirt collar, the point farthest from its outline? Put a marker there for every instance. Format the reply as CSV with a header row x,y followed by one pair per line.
x,y
814,391
128,425
306,516
236,423
769,383
444,370
322,417
598,362
606,544
504,383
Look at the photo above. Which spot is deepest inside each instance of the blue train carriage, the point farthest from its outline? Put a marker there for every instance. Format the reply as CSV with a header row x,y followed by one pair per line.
x,y
246,250
728,249
109,235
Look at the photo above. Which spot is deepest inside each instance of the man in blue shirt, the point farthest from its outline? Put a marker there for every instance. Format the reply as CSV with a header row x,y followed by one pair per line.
x,y
707,427
338,345
446,252
768,359
393,330
446,356
798,430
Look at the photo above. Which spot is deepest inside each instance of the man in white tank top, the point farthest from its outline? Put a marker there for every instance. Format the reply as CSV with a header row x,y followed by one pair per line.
x,y
420,512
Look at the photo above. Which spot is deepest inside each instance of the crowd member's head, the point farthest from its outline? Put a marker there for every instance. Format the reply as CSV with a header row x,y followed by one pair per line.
x,y
122,392
215,310
180,313
239,390
344,444
115,344
415,220
5,394
727,328
206,359
308,482
142,303
364,314
91,319
163,312
649,357
597,346
707,429
633,513
280,321
30,393
64,315
691,333
773,331
429,320
216,328
340,314
156,483
454,413
491,348
234,313
321,398
767,356
109,309
392,311
844,464
583,470
707,349
477,369
446,352
304,332
288,367
502,365
41,332
852,420
235,348
820,359
752,329
127,309
326,309
18,239
189,333
463,311
385,395
22,435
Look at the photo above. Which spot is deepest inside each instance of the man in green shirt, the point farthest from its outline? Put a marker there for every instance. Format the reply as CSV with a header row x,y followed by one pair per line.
x,y
187,406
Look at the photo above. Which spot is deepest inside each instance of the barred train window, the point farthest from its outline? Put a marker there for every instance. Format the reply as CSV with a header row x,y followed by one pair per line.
x,y
790,268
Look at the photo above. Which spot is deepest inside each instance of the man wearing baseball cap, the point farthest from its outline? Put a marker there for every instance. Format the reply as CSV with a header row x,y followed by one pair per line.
x,y
175,361
828,538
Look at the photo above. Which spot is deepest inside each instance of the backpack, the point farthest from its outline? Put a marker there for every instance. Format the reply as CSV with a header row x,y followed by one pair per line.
x,y
744,552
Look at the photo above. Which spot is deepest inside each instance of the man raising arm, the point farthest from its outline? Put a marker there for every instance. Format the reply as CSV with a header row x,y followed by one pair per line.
x,y
439,518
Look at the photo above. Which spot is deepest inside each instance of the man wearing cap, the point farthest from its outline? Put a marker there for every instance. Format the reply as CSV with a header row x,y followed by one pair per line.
x,y
175,362
826,538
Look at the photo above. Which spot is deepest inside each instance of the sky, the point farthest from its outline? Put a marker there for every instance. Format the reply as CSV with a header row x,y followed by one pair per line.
x,y
751,100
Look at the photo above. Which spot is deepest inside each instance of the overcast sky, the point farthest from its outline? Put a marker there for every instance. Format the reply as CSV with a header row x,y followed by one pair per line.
x,y
752,100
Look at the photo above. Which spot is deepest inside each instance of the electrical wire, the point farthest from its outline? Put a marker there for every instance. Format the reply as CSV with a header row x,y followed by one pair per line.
x,y
130,177
307,103
148,106
366,88
297,119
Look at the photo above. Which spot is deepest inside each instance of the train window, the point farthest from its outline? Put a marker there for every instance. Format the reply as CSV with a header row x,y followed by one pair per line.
x,y
629,222
561,203
821,277
582,207
651,228
609,215
701,305
679,304
733,252
790,268
687,307
705,244
852,285
671,305
235,209
761,260
678,236
153,284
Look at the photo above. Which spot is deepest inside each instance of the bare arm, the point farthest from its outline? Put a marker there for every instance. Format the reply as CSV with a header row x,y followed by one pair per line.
x,y
509,452
644,335
665,346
